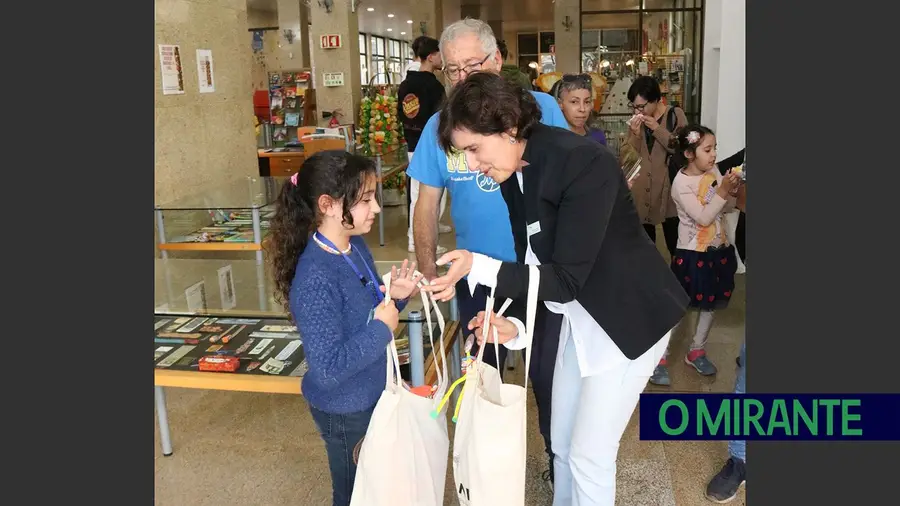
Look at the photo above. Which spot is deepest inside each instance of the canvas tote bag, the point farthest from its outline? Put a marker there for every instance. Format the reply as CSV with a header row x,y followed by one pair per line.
x,y
403,458
489,446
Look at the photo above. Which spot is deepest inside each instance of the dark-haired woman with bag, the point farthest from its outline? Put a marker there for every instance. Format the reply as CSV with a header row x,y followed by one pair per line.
x,y
615,298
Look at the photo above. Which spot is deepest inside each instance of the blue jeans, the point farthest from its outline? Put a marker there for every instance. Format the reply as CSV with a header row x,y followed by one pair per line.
x,y
738,449
341,434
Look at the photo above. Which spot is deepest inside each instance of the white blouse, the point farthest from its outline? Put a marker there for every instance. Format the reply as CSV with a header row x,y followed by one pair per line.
x,y
595,350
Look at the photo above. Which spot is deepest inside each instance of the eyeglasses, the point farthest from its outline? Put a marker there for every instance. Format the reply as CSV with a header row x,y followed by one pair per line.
x,y
454,73
639,107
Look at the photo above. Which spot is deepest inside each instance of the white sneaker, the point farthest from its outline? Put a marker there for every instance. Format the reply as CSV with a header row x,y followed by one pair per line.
x,y
444,229
440,249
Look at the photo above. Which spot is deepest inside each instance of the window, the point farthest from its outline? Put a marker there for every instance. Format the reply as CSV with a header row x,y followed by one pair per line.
x,y
378,60
395,60
536,52
406,51
363,60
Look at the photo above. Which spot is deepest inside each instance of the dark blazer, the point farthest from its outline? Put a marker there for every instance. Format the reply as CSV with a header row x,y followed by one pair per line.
x,y
591,244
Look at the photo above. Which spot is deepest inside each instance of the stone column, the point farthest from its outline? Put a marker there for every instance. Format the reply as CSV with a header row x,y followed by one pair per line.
x,y
567,40
428,12
293,54
497,27
340,21
470,11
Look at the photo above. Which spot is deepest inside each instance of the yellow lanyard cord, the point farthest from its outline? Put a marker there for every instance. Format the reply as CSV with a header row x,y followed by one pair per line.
x,y
440,406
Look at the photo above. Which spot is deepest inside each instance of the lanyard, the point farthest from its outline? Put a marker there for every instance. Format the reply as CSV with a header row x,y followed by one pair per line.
x,y
376,293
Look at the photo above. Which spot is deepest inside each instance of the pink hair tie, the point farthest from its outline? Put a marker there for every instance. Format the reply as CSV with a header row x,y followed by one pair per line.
x,y
294,178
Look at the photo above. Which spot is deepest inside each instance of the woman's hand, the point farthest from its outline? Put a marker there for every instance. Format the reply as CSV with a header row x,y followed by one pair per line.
x,y
404,282
650,122
630,183
444,287
506,330
388,314
635,124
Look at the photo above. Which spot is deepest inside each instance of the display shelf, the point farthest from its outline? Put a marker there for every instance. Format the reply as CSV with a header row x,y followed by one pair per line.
x,y
245,289
217,287
287,102
244,308
232,216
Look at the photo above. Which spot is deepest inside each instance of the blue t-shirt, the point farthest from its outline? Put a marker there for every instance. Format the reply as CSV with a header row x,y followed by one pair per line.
x,y
479,212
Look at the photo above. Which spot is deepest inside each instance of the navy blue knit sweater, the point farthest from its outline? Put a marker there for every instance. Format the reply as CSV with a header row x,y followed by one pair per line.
x,y
344,350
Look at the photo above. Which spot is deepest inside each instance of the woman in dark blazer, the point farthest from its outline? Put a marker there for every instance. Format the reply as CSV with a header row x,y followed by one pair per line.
x,y
572,214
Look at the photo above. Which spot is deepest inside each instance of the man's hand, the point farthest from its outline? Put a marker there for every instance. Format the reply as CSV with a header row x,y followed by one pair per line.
x,y
460,262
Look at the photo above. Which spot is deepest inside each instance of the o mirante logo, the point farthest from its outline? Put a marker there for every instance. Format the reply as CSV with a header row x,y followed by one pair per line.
x,y
705,417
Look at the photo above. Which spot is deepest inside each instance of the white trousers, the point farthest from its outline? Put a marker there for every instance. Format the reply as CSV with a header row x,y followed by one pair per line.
x,y
414,197
589,417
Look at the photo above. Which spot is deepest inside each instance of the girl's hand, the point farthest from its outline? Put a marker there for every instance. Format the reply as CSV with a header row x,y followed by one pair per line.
x,y
388,314
506,330
460,262
404,281
729,184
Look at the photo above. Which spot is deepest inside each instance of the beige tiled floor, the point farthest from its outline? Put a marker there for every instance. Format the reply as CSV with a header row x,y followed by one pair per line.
x,y
233,448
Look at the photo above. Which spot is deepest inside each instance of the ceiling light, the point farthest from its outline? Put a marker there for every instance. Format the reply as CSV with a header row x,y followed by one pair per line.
x,y
402,33
409,21
371,9
390,15
390,29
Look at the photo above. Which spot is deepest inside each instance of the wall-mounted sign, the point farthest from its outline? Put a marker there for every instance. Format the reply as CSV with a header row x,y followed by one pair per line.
x,y
170,67
333,79
205,71
330,41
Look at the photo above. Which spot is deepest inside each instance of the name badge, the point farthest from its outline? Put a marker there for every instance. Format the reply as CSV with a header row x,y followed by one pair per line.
x,y
534,228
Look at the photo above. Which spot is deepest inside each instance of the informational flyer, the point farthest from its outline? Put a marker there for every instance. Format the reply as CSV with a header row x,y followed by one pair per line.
x,y
171,69
195,295
205,71
226,287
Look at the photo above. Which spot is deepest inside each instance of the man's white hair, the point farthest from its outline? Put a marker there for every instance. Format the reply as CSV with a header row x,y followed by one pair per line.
x,y
470,26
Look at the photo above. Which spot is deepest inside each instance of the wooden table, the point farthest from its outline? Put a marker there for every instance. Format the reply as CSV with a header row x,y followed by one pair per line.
x,y
279,163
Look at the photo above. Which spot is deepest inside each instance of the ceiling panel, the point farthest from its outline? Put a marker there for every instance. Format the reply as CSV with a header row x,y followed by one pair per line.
x,y
376,22
516,15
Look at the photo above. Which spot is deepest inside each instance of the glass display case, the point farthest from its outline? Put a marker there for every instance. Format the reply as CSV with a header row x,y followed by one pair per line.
x,y
391,163
244,290
230,216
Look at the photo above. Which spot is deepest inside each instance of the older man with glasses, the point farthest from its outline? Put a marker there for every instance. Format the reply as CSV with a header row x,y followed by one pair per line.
x,y
469,46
